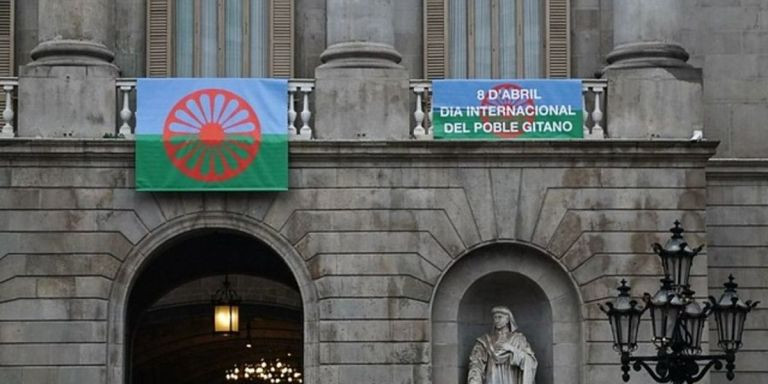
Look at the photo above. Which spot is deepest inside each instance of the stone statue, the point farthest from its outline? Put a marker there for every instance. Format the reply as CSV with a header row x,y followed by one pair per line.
x,y
502,356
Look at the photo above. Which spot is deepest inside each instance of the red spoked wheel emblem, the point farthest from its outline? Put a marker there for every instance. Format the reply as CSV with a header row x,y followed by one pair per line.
x,y
212,135
505,90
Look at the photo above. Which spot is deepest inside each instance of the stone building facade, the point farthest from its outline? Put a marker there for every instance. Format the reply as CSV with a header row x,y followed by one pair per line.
x,y
381,261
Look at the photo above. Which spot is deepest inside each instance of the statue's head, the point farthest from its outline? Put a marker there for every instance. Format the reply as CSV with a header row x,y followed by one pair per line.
x,y
502,317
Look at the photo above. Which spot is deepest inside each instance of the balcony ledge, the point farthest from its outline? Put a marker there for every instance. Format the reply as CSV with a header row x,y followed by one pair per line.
x,y
319,153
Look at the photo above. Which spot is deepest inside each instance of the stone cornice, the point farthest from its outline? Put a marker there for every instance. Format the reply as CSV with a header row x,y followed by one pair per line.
x,y
738,168
618,153
507,153
66,152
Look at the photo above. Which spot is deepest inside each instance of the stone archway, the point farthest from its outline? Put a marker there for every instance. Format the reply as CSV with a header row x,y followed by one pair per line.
x,y
537,289
144,252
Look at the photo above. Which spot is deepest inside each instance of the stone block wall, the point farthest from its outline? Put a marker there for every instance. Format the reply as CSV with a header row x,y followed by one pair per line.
x,y
376,225
729,41
737,232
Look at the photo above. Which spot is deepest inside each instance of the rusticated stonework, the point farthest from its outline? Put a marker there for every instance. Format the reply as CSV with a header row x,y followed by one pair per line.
x,y
371,232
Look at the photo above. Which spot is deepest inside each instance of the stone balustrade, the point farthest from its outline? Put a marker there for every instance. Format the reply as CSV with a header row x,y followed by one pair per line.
x,y
298,96
299,108
594,98
300,103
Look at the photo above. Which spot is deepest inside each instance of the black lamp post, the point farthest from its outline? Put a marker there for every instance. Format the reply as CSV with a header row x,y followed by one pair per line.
x,y
677,321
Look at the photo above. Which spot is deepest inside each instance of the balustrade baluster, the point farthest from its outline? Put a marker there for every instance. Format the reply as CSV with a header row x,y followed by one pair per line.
x,y
585,113
592,90
125,87
597,116
8,113
292,112
419,132
429,113
306,132
423,119
126,113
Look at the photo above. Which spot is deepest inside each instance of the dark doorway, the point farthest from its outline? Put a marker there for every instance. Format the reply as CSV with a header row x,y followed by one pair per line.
x,y
170,315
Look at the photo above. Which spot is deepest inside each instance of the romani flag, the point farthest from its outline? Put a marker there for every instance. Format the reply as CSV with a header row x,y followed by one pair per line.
x,y
220,134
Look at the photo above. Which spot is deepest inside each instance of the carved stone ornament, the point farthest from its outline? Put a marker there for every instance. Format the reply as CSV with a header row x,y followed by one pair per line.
x,y
503,356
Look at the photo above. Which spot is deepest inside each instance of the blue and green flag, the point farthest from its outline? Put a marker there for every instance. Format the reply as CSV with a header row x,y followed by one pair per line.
x,y
211,134
507,109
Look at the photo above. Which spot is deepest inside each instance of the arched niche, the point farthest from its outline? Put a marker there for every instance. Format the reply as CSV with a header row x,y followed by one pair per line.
x,y
141,258
533,285
528,303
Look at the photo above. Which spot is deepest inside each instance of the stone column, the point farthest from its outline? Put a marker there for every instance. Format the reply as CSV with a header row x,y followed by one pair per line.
x,y
362,90
653,91
69,88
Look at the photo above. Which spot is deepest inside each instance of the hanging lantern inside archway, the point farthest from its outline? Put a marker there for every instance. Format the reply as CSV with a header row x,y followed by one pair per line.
x,y
226,310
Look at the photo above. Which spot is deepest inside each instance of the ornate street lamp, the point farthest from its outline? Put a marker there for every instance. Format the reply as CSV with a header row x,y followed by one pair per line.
x,y
226,310
677,321
692,320
624,317
664,307
730,314
677,257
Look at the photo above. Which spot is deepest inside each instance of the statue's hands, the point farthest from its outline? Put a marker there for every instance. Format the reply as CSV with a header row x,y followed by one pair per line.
x,y
512,351
518,357
503,354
